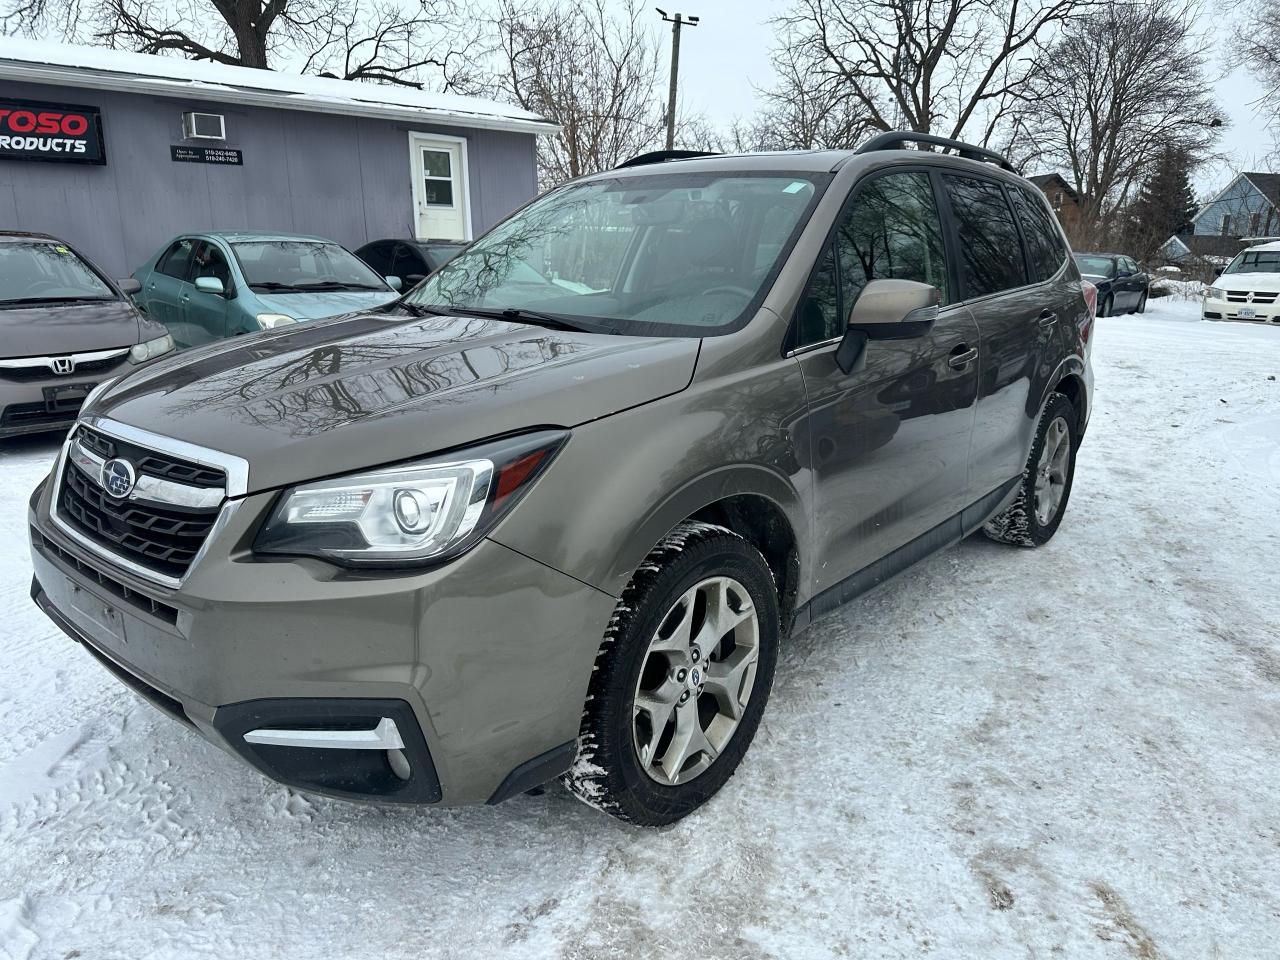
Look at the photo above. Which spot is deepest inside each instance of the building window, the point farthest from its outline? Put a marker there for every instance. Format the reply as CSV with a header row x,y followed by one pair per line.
x,y
1255,222
1226,224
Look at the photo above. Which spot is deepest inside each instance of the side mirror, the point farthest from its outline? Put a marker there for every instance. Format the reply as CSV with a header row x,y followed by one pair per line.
x,y
129,286
1217,271
210,285
393,282
887,310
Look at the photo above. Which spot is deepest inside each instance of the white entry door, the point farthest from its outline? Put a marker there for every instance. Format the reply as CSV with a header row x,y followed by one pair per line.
x,y
440,187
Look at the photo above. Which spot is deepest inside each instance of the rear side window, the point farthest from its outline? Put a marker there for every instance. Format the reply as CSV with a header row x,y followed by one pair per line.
x,y
174,262
990,249
1040,230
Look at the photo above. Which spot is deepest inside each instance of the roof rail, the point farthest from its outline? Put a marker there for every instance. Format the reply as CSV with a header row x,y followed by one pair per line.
x,y
895,139
662,156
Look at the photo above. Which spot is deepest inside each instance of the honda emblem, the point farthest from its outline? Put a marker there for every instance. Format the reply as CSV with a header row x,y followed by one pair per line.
x,y
62,365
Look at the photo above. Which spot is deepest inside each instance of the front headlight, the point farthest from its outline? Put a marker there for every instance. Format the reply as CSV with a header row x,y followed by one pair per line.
x,y
409,514
268,320
151,349
1215,293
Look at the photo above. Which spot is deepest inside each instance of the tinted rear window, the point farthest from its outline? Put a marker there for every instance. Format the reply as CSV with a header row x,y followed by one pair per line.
x,y
990,249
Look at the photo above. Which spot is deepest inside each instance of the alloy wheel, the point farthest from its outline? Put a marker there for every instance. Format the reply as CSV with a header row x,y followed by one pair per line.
x,y
1051,471
696,680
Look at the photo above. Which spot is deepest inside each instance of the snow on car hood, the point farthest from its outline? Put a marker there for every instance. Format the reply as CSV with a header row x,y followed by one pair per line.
x,y
1268,282
317,306
334,396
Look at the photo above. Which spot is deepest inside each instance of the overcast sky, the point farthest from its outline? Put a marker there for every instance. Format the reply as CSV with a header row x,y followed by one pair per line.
x,y
727,55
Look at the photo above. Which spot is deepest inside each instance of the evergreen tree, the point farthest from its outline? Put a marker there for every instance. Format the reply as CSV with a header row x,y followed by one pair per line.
x,y
1165,203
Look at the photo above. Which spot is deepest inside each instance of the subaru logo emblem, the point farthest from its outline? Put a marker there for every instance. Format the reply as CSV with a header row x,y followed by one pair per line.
x,y
62,365
118,478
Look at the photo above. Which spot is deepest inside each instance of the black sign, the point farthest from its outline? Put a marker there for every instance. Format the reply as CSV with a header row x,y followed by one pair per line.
x,y
59,132
206,155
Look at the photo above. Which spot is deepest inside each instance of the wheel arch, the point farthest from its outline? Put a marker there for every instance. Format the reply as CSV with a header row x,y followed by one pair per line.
x,y
750,500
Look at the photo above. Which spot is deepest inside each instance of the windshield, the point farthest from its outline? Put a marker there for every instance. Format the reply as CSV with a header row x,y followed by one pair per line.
x,y
42,271
1255,261
1096,266
303,265
679,254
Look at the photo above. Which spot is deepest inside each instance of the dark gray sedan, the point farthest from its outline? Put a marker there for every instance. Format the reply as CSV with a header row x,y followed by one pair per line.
x,y
64,327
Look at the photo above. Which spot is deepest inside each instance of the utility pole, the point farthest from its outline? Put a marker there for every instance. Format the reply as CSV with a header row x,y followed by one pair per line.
x,y
676,22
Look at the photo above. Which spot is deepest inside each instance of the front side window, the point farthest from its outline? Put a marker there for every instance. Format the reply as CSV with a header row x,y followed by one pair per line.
x,y
1255,261
1044,243
890,230
665,254
209,262
303,265
990,250
41,271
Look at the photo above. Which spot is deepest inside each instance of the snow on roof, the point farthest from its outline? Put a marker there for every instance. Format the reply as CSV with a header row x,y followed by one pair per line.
x,y
104,69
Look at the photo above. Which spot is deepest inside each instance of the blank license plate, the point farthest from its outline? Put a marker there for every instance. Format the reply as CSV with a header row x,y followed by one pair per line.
x,y
96,617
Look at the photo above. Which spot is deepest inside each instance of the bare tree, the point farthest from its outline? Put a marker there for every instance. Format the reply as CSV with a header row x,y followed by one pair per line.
x,y
805,109
418,43
1113,94
1259,46
588,70
954,67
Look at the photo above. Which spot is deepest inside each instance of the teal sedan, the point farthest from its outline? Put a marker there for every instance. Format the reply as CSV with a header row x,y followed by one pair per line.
x,y
207,286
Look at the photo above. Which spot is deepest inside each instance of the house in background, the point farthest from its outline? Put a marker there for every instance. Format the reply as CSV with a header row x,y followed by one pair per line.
x,y
1246,211
1062,197
117,152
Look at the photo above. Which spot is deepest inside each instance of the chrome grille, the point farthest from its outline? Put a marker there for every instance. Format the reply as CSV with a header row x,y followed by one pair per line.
x,y
161,524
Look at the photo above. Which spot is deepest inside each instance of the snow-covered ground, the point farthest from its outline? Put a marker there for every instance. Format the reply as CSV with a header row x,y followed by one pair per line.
x,y
1070,752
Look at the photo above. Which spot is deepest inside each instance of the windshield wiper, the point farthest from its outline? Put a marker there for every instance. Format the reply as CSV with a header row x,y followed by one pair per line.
x,y
309,287
334,285
27,301
549,320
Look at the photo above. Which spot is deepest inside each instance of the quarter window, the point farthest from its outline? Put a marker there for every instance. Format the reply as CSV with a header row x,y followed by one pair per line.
x,y
1044,242
990,250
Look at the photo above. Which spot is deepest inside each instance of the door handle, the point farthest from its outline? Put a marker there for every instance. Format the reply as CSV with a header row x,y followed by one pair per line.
x,y
185,298
1048,319
962,356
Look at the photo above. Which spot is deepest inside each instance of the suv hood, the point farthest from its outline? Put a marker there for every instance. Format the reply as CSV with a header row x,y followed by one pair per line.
x,y
61,328
359,391
1267,282
316,306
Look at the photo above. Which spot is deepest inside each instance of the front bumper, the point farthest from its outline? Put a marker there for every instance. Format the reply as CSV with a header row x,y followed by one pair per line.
x,y
488,657
1213,309
35,404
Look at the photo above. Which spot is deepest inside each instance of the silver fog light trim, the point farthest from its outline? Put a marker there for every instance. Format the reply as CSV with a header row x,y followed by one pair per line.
x,y
385,736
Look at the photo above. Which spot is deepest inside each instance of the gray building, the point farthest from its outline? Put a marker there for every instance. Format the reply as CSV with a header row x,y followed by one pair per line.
x,y
116,152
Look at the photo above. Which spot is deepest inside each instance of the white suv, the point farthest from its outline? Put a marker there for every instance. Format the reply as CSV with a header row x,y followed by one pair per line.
x,y
1248,289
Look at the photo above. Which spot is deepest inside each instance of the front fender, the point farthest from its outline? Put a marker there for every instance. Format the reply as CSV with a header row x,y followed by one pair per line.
x,y
622,482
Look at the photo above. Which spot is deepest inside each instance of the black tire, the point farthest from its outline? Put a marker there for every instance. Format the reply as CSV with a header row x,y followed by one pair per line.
x,y
1104,308
1019,524
1142,304
608,774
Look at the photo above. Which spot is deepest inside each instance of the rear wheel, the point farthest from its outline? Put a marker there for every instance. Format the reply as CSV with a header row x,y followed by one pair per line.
x,y
681,680
1045,486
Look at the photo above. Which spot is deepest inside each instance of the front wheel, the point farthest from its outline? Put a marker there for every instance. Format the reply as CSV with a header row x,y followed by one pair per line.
x,y
1104,308
1045,487
681,680
1142,304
